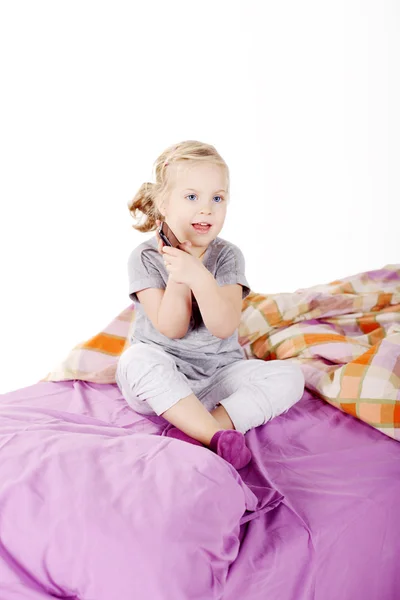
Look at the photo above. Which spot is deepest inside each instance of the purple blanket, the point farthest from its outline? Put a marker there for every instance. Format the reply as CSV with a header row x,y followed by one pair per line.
x,y
94,505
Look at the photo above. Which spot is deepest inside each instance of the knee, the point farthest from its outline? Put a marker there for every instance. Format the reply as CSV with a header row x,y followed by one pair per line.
x,y
141,359
293,382
282,386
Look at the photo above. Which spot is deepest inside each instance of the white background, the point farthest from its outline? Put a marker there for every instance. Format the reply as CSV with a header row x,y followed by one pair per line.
x,y
300,98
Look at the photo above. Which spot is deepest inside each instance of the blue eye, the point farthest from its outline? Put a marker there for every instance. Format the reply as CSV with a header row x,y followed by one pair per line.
x,y
214,197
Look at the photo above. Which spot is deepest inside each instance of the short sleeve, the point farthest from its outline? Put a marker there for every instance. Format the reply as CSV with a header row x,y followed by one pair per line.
x,y
230,268
143,271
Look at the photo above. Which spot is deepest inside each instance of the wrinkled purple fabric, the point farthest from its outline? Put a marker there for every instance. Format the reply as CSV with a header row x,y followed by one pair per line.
x,y
96,505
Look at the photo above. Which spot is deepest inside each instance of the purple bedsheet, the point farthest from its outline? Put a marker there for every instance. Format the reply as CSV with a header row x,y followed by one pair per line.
x,y
94,505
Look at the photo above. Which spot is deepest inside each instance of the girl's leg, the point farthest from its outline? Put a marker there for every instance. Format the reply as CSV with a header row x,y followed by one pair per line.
x,y
190,416
151,384
222,417
248,393
193,419
149,377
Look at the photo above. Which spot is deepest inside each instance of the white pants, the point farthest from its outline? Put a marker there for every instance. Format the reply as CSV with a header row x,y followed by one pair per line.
x,y
252,391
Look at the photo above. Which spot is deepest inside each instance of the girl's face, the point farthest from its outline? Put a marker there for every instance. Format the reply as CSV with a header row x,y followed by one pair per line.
x,y
198,195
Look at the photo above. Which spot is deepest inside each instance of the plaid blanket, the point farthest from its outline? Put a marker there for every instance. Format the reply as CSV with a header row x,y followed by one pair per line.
x,y
345,335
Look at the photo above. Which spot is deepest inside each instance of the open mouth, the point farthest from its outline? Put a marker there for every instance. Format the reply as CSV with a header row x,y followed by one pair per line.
x,y
201,228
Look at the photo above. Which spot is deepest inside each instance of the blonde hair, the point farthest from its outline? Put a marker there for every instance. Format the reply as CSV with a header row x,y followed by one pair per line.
x,y
145,199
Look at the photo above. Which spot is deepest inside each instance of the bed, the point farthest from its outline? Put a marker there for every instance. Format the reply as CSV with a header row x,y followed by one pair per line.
x,y
96,504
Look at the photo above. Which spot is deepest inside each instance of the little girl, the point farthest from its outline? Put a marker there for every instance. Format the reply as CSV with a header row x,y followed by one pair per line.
x,y
185,361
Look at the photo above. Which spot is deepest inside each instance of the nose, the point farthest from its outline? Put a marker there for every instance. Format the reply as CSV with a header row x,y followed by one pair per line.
x,y
206,208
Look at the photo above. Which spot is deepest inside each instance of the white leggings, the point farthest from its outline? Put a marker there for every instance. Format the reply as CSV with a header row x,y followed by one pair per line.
x,y
252,391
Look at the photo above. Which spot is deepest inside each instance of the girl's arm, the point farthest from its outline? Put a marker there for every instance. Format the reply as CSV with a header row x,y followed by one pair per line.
x,y
221,311
175,310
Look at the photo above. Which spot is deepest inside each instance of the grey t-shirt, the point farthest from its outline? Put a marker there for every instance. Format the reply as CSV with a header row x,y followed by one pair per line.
x,y
199,353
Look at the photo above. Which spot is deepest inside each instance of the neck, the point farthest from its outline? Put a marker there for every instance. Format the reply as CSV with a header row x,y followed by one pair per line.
x,y
204,251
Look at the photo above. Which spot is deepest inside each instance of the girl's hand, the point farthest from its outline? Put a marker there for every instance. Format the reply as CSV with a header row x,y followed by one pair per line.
x,y
185,246
181,265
